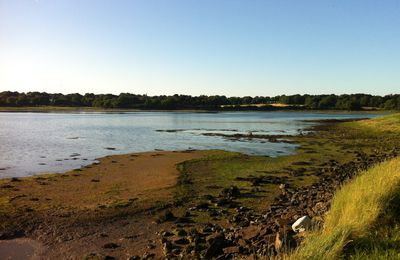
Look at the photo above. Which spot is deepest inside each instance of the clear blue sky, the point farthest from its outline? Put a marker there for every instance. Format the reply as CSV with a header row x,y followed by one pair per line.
x,y
231,47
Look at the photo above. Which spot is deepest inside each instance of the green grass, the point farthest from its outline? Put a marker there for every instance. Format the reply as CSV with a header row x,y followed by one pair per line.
x,y
359,215
389,124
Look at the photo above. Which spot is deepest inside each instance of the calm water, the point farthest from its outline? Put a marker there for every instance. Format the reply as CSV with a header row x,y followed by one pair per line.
x,y
32,143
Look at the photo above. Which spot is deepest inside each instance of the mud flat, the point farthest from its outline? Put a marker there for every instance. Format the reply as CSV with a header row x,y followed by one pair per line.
x,y
54,210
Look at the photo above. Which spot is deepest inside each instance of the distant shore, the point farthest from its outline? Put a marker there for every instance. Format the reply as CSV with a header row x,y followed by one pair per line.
x,y
60,109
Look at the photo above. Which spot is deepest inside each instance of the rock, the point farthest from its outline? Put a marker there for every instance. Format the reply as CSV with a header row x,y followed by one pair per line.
x,y
148,256
110,246
151,246
167,247
202,205
231,250
207,229
166,216
216,242
208,197
224,202
251,232
319,207
302,224
218,236
176,251
242,242
231,192
181,241
166,234
180,232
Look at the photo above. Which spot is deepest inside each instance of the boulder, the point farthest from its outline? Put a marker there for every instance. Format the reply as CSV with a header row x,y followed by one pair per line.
x,y
216,243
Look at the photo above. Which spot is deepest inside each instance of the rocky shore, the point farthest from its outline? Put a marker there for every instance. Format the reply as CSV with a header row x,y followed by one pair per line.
x,y
259,236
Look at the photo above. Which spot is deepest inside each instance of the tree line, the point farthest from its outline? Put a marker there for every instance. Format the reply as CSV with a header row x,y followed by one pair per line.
x,y
133,101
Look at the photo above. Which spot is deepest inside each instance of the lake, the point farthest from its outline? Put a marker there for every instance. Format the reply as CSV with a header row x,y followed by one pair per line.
x,y
33,143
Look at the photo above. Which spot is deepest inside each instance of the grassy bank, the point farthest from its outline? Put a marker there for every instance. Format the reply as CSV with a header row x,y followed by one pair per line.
x,y
362,222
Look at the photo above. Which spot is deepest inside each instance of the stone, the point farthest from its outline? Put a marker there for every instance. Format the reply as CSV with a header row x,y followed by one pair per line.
x,y
166,216
231,250
148,255
167,247
231,192
181,241
110,246
207,229
176,251
181,232
166,234
302,224
242,242
216,242
251,232
202,205
151,246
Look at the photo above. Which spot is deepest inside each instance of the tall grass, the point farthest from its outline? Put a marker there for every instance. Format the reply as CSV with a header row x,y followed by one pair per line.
x,y
355,212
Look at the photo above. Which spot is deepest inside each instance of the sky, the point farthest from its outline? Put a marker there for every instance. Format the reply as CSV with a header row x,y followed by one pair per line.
x,y
210,47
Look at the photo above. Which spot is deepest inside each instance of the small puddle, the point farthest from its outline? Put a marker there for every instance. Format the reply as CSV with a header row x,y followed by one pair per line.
x,y
19,249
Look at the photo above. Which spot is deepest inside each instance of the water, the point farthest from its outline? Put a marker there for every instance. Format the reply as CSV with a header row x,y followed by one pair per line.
x,y
33,143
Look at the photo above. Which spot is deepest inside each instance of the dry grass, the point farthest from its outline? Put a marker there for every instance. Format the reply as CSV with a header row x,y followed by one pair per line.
x,y
355,209
390,123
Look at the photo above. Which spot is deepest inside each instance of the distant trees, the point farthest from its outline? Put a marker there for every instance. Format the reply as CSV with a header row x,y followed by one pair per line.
x,y
216,102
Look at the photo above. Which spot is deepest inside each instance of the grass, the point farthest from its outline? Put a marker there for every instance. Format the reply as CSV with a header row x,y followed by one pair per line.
x,y
356,217
390,123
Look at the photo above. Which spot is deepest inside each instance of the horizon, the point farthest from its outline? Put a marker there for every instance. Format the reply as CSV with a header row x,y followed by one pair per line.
x,y
230,48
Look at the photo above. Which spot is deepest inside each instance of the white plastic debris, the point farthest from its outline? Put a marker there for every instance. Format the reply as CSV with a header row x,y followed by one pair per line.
x,y
302,224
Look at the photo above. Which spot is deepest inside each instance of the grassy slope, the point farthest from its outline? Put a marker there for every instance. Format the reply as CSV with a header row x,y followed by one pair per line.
x,y
363,222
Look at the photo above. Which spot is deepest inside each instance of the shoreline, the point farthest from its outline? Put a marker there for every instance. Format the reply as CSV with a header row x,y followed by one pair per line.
x,y
97,211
